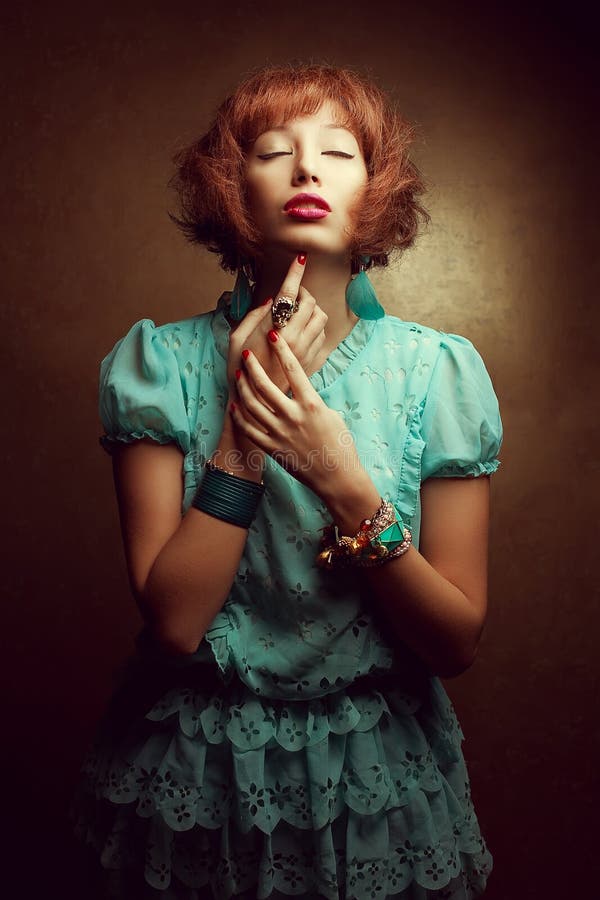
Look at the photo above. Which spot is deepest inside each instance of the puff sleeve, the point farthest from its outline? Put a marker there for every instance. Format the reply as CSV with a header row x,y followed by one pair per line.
x,y
141,391
462,428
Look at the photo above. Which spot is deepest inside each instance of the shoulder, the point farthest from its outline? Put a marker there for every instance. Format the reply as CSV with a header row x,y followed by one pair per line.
x,y
170,334
409,345
402,332
415,330
425,340
146,342
146,385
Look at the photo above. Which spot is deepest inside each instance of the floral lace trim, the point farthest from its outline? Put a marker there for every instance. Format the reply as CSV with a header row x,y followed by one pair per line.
x,y
288,862
344,796
198,759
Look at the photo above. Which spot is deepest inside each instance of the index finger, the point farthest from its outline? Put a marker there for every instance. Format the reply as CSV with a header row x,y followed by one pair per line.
x,y
297,378
291,282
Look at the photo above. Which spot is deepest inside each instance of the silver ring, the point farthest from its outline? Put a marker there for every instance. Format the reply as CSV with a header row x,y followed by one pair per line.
x,y
282,310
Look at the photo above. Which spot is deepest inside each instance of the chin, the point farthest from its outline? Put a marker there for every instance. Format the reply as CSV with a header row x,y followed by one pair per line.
x,y
305,242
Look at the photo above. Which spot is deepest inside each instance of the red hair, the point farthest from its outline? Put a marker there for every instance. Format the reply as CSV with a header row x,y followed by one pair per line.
x,y
209,177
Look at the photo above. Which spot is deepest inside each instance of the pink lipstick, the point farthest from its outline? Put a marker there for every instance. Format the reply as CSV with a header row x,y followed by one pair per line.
x,y
307,206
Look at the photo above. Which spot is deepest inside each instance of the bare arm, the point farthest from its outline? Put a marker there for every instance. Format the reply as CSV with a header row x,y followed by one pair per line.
x,y
180,569
434,599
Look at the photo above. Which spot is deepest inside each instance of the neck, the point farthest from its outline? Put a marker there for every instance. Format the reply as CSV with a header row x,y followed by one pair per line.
x,y
325,278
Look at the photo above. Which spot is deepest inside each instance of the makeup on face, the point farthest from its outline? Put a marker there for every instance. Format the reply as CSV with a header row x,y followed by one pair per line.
x,y
306,175
307,206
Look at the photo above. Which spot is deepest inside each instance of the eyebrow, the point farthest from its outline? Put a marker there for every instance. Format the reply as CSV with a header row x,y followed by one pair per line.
x,y
330,125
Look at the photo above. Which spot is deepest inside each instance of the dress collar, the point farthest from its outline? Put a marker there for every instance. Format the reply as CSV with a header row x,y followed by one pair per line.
x,y
338,360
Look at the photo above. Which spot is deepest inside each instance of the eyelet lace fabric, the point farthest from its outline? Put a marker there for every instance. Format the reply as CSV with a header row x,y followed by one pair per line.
x,y
350,795
298,752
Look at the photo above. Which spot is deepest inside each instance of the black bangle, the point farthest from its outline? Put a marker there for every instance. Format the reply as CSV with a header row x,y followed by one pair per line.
x,y
228,497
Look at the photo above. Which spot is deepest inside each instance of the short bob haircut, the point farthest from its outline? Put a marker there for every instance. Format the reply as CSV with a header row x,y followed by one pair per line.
x,y
209,176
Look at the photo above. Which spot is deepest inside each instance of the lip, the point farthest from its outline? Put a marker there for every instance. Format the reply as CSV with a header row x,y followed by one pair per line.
x,y
304,213
297,209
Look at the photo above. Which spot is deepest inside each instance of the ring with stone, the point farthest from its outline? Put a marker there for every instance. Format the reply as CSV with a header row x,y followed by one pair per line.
x,y
282,310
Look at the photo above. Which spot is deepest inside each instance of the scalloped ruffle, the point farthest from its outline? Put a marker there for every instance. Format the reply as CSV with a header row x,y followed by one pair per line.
x,y
473,470
216,786
109,441
409,482
146,860
341,356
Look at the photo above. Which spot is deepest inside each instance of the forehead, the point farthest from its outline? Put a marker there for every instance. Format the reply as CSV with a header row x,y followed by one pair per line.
x,y
328,116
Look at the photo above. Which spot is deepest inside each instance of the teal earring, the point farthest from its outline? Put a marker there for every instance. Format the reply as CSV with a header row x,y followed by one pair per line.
x,y
241,295
361,296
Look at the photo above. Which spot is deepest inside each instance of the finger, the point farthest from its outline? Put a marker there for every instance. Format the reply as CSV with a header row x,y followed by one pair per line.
x,y
312,360
251,320
291,282
312,323
251,431
279,403
301,387
299,320
262,414
238,399
306,307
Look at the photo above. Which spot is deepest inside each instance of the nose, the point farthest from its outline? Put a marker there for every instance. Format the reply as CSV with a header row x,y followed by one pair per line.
x,y
305,171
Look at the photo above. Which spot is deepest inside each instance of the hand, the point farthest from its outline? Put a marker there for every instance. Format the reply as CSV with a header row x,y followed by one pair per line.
x,y
305,331
301,433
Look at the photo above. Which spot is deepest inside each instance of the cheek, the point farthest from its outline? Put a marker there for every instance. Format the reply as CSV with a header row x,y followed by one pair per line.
x,y
251,193
357,193
259,195
356,208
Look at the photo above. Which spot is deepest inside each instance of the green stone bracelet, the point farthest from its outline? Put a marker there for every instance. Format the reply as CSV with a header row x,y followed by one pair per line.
x,y
381,538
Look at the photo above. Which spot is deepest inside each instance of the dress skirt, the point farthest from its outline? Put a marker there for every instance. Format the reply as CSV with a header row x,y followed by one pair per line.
x,y
198,789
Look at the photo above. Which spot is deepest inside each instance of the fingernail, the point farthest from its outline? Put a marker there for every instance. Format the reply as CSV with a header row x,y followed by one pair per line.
x,y
245,354
232,407
272,335
302,258
268,300
238,372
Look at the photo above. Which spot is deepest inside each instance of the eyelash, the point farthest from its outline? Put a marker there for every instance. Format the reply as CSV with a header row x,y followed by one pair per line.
x,y
338,153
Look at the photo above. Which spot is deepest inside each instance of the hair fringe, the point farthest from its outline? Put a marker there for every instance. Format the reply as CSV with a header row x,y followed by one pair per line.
x,y
209,174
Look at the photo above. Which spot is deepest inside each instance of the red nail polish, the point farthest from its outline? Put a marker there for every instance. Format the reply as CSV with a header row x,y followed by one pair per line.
x,y
238,372
268,300
272,335
232,407
245,354
302,258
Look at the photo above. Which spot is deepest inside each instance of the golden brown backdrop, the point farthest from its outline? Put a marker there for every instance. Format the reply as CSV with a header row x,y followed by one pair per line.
x,y
96,101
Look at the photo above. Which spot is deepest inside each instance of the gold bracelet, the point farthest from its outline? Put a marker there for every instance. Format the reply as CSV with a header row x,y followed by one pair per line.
x,y
379,539
213,465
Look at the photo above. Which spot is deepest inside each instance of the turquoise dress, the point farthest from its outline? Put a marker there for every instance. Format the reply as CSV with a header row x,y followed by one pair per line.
x,y
299,751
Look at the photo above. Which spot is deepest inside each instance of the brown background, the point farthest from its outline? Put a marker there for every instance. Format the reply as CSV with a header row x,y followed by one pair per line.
x,y
95,104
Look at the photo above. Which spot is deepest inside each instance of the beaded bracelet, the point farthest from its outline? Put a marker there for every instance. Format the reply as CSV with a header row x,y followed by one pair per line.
x,y
379,539
226,496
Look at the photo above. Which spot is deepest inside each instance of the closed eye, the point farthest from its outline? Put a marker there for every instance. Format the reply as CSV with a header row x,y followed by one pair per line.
x,y
339,153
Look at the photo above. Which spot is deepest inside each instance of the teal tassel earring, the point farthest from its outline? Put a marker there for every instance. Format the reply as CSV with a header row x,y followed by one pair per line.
x,y
361,296
241,295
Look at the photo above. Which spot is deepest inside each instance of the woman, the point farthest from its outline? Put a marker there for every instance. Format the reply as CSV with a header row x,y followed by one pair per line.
x,y
304,533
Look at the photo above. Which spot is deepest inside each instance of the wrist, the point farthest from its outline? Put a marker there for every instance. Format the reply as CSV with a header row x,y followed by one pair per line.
x,y
237,454
350,503
379,538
